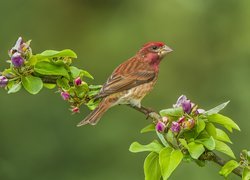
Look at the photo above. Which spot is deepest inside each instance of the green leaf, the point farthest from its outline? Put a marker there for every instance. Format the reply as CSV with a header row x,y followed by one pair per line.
x,y
53,53
224,148
200,126
228,168
211,130
184,143
95,86
222,136
92,104
86,74
152,169
175,112
75,71
148,128
32,60
209,143
246,173
169,160
171,138
49,86
217,108
195,149
226,121
154,146
32,84
63,83
47,68
162,139
15,88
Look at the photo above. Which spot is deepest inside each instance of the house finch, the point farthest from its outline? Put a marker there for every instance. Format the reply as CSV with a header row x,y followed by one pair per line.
x,y
130,81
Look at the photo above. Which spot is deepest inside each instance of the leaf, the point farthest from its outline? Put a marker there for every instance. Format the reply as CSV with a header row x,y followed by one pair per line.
x,y
32,84
224,148
15,88
63,83
32,60
92,104
171,138
222,136
148,128
246,174
86,74
75,71
209,143
152,169
200,126
195,149
49,86
47,68
211,130
95,86
154,146
169,160
226,121
175,112
217,109
162,139
53,53
184,143
228,168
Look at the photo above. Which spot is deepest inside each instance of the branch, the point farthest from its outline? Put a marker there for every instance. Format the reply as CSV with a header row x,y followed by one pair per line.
x,y
212,157
218,160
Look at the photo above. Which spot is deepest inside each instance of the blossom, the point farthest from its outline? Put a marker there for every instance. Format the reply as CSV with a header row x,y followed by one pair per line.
x,y
20,47
160,126
17,60
65,95
189,124
175,127
184,103
75,110
3,81
181,119
78,81
165,119
200,111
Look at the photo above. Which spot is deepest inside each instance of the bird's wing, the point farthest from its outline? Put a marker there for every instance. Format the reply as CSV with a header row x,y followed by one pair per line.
x,y
126,76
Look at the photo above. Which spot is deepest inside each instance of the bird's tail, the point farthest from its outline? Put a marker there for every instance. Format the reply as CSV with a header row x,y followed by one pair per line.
x,y
96,114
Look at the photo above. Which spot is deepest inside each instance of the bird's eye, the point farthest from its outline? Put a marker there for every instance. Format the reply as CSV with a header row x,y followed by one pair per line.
x,y
154,47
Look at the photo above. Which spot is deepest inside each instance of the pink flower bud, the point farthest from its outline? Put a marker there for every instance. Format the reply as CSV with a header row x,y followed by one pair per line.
x,y
65,95
189,124
3,81
181,120
160,126
75,110
17,60
78,81
175,127
165,119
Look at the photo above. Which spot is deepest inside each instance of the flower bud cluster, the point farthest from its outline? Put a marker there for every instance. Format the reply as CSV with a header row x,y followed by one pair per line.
x,y
71,95
20,52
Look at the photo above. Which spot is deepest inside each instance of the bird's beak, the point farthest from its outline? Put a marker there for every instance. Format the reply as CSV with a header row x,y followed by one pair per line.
x,y
165,50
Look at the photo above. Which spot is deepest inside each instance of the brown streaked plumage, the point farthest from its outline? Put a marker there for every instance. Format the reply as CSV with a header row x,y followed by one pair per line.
x,y
130,81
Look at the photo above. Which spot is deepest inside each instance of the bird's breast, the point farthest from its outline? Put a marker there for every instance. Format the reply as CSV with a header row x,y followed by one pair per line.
x,y
134,95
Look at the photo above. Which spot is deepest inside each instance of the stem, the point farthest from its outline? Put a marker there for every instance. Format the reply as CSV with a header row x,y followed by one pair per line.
x,y
218,160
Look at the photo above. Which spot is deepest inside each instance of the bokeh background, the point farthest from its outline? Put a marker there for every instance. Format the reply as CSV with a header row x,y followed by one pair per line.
x,y
210,64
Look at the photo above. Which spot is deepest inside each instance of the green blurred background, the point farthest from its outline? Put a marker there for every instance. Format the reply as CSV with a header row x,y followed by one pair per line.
x,y
210,64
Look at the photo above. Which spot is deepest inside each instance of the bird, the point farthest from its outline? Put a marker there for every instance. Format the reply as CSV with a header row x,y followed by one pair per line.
x,y
131,81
